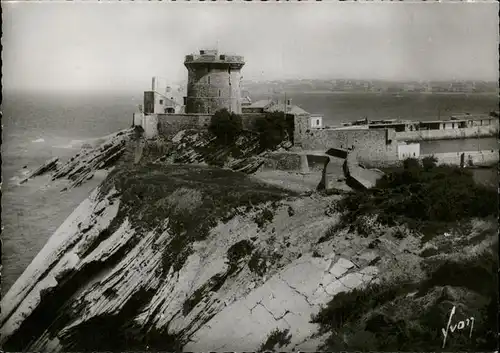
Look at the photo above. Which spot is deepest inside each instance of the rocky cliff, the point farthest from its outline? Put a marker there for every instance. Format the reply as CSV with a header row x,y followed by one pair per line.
x,y
168,256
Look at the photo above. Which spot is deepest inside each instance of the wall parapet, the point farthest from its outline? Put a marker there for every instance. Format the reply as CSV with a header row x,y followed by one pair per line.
x,y
451,134
484,158
374,147
357,175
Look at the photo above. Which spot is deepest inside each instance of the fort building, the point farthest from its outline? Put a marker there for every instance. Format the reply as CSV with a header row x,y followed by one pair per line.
x,y
214,82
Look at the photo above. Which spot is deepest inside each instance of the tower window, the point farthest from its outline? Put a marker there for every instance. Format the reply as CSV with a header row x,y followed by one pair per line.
x,y
317,122
219,93
208,79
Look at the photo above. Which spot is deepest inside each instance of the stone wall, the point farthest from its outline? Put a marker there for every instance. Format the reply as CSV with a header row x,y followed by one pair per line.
x,y
374,147
317,163
150,126
357,176
478,158
448,134
282,161
170,124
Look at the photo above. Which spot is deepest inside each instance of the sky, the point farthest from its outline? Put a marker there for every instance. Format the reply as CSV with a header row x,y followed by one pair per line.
x,y
119,46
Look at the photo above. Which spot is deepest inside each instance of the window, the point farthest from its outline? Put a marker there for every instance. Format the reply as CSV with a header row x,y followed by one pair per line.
x,y
219,93
317,122
208,79
161,101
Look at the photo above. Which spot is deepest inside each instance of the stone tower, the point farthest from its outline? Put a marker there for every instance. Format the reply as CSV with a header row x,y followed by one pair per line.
x,y
213,82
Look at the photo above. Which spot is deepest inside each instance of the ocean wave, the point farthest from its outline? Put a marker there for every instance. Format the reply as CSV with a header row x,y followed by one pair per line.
x,y
38,140
73,144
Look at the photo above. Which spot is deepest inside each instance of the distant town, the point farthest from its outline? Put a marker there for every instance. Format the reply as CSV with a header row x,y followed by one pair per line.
x,y
371,86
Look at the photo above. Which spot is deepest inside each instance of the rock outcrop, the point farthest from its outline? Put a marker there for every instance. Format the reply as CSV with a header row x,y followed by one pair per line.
x,y
48,166
83,165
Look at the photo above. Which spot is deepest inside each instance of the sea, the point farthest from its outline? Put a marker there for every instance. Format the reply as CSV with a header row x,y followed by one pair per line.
x,y
39,126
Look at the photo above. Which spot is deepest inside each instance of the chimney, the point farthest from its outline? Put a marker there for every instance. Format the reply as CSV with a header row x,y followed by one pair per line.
x,y
153,84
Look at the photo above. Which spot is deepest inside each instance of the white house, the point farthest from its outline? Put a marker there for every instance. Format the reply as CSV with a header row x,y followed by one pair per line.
x,y
316,122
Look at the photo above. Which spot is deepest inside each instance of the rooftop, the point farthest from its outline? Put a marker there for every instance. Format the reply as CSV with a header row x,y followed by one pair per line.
x,y
264,103
291,109
213,56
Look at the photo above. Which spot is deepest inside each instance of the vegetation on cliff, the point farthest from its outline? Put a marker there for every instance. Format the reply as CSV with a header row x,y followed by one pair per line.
x,y
272,130
192,198
409,316
451,214
429,199
226,126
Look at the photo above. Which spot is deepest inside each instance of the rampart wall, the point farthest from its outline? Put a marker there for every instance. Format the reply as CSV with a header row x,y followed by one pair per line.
x,y
171,124
358,176
150,126
293,162
448,134
282,161
374,147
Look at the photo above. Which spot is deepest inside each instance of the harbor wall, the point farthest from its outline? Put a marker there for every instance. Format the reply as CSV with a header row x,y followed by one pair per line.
x,y
448,134
470,158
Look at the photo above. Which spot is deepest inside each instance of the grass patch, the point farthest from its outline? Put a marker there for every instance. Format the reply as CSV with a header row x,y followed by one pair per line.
x,y
239,251
257,264
193,198
276,338
350,306
263,217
